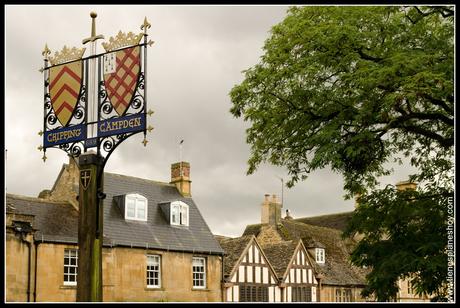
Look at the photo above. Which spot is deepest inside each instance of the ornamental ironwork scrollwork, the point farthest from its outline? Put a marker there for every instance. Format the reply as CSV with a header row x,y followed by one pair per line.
x,y
138,101
74,149
106,110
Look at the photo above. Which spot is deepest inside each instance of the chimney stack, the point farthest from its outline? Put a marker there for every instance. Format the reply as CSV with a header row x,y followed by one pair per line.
x,y
180,176
271,210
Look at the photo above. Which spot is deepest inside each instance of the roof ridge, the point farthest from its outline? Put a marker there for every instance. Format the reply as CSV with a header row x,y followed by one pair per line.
x,y
324,215
138,178
41,200
314,226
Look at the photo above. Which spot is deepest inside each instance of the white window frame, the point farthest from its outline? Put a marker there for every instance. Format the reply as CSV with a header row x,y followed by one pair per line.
x,y
137,200
195,263
153,260
320,255
70,254
179,208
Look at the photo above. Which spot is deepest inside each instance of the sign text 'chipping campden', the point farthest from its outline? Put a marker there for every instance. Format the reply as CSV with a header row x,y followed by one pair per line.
x,y
116,126
64,135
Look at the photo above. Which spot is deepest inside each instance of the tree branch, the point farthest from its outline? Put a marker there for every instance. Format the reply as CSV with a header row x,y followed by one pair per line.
x,y
444,142
367,57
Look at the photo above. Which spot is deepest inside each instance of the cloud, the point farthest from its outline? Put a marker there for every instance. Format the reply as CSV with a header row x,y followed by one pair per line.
x,y
198,56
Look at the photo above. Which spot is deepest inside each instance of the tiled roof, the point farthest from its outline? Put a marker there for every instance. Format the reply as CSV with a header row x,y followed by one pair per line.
x,y
55,221
279,255
233,248
337,221
59,221
337,269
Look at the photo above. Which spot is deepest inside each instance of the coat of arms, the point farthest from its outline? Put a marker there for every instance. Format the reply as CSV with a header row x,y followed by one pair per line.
x,y
121,70
65,82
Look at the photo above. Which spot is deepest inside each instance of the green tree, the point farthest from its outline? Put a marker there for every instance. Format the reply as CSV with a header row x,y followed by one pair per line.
x,y
356,89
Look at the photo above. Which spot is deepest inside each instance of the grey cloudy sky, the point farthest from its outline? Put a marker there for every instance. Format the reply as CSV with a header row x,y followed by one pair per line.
x,y
198,56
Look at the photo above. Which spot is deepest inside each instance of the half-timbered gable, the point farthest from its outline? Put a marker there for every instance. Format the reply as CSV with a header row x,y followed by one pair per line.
x,y
248,274
295,270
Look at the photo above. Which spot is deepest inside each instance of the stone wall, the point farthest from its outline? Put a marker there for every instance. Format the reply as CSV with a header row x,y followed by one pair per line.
x,y
328,293
124,276
18,254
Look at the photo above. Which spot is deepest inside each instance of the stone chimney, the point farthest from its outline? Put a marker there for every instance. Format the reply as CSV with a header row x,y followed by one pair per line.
x,y
180,176
403,185
271,210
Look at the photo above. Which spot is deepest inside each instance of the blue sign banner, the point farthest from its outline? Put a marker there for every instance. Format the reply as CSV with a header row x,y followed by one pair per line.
x,y
121,125
64,135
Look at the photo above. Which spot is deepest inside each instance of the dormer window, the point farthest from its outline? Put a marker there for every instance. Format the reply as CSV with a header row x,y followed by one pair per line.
x,y
136,207
320,255
179,213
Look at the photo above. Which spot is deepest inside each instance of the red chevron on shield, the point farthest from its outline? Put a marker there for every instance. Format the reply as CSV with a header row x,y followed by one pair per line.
x,y
121,77
64,87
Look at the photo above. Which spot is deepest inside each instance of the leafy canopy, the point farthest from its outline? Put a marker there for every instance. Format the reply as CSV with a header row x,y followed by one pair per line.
x,y
349,87
355,89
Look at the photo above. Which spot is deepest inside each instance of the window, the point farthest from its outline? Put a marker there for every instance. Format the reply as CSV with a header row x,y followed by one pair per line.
x,y
136,207
153,271
301,294
179,213
252,293
320,255
343,295
70,267
199,273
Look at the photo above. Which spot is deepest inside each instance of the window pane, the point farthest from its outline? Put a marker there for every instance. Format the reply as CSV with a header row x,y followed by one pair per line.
x,y
130,210
141,212
70,265
153,271
175,214
184,212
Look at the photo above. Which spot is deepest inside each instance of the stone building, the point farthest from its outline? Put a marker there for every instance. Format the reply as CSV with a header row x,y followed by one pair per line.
x,y
311,262
156,244
277,272
248,275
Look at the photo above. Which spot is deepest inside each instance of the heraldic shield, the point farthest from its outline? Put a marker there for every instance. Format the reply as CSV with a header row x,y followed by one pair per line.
x,y
121,76
65,85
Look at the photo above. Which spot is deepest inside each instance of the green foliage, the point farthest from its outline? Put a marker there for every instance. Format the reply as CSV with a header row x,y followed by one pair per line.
x,y
353,89
404,236
348,87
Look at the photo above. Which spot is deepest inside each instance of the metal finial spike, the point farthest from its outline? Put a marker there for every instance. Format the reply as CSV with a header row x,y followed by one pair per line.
x,y
150,43
150,112
41,69
46,52
144,142
150,128
145,25
40,148
40,133
44,157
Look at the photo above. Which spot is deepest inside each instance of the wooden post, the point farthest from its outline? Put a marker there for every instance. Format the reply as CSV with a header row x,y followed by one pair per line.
x,y
90,222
